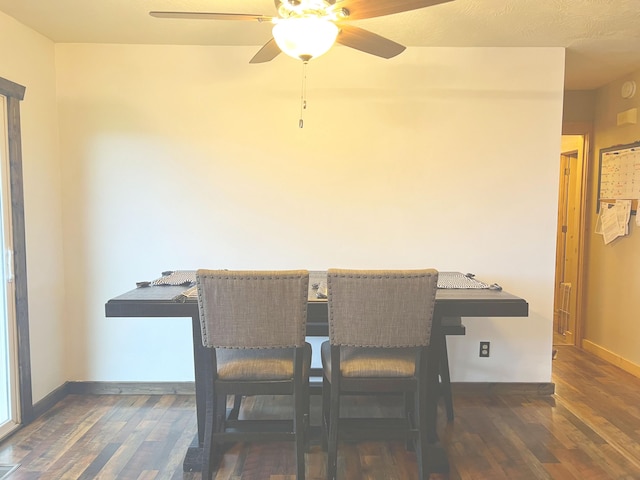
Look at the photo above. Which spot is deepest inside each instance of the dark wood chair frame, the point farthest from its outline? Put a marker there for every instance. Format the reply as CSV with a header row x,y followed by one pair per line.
x,y
412,427
223,427
243,325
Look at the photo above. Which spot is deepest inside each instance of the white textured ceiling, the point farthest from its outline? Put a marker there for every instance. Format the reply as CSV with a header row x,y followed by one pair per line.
x,y
602,37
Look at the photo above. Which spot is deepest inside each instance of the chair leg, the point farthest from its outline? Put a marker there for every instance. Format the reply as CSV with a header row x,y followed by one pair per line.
x,y
299,411
235,411
410,416
220,426
421,444
307,416
324,423
332,448
445,380
210,426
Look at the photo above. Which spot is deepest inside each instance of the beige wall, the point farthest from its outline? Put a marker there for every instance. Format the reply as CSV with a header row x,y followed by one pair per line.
x,y
579,106
612,328
27,58
185,157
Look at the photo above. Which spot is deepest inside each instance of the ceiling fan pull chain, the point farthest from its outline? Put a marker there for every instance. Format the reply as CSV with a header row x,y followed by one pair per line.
x,y
303,96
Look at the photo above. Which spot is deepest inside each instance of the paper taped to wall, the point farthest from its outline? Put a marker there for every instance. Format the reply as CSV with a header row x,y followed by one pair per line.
x,y
613,220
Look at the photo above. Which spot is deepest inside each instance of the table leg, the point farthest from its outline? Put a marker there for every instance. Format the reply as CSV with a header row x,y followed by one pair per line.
x,y
437,457
193,459
445,379
433,377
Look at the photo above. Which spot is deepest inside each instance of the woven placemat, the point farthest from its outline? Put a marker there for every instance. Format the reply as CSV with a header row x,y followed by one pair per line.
x,y
179,277
459,280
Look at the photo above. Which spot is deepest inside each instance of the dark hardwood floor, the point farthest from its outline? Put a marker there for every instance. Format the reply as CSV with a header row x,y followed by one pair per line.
x,y
590,429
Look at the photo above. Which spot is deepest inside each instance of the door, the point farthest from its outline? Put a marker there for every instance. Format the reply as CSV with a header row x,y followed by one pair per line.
x,y
569,240
9,401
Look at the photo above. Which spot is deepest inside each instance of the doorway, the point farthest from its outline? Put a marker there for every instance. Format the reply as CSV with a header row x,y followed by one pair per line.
x,y
570,240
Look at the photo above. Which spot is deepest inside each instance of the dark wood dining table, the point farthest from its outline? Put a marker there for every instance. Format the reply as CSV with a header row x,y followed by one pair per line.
x,y
451,304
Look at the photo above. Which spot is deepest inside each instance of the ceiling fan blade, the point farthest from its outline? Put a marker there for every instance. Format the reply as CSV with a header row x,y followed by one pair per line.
x,y
212,16
268,52
368,42
359,9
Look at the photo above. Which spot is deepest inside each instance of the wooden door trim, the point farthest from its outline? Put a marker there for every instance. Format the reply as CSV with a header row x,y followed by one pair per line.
x,y
14,94
586,130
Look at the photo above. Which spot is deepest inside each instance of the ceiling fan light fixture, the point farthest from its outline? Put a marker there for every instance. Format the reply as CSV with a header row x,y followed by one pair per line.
x,y
305,37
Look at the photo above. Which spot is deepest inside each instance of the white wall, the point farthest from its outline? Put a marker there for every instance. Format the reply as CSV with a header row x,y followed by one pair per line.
x,y
178,157
27,58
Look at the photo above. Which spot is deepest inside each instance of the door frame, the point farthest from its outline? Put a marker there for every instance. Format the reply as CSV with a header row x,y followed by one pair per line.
x,y
586,130
571,164
14,94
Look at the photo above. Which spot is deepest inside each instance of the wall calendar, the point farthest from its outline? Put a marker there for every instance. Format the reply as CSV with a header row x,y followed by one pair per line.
x,y
619,173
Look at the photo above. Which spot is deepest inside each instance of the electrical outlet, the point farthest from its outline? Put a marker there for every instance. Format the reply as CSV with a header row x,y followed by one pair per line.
x,y
484,349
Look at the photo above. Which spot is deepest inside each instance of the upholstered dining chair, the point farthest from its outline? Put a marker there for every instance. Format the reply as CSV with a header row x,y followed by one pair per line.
x,y
379,333
253,323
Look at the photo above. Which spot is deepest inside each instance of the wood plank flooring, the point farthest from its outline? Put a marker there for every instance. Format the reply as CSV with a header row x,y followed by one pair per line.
x,y
588,430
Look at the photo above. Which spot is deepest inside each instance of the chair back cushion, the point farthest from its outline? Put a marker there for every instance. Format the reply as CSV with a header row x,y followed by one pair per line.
x,y
253,309
381,308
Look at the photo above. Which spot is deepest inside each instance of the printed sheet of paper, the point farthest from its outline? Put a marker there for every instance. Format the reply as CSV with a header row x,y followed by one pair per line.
x,y
603,207
610,225
623,210
613,221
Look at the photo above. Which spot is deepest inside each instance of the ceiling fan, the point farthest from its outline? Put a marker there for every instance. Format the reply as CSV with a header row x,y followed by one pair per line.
x,y
305,29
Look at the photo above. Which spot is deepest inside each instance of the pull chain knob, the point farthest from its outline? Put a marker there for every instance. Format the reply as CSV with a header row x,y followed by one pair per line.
x,y
303,95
